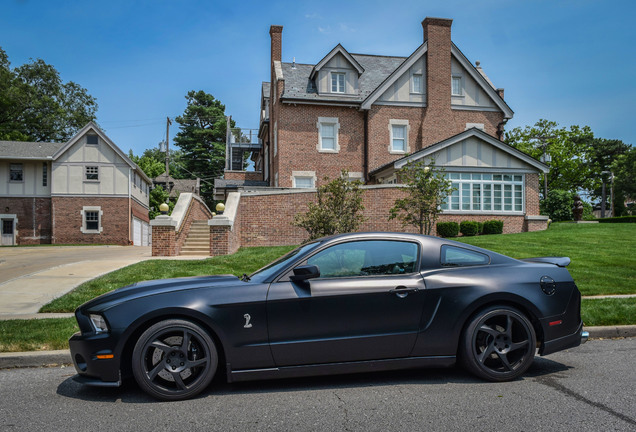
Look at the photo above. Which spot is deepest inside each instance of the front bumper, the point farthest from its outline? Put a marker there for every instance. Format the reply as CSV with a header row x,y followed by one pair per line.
x,y
93,370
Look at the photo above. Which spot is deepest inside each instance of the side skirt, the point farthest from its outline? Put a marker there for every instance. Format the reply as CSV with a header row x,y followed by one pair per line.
x,y
338,368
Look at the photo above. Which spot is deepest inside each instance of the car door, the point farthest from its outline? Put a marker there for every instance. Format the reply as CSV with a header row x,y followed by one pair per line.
x,y
366,305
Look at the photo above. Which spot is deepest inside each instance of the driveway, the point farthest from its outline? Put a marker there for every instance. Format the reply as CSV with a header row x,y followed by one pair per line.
x,y
32,276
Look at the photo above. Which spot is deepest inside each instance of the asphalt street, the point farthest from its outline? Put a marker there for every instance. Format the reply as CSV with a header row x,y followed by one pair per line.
x,y
589,388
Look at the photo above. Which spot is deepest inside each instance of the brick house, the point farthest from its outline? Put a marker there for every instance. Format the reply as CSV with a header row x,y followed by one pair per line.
x,y
371,114
83,191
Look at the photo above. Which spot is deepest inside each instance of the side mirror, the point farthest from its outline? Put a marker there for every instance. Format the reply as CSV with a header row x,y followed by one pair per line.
x,y
304,272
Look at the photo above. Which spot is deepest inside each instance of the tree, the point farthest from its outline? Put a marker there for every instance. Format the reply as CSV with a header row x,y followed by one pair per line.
x,y
35,105
427,188
338,210
624,169
158,196
568,149
202,139
153,162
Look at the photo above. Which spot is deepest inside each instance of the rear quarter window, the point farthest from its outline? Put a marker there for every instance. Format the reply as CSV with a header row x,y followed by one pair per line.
x,y
453,256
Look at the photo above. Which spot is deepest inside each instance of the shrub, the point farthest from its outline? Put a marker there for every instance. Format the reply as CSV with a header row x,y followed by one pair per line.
x,y
620,219
493,227
447,229
558,205
480,228
469,228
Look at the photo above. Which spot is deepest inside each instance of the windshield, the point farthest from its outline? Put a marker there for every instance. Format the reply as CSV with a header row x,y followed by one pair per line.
x,y
270,270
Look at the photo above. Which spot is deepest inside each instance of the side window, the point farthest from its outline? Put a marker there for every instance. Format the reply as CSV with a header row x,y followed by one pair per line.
x,y
455,256
366,258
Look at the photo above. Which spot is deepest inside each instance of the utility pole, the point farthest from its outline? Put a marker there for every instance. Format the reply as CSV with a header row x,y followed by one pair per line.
x,y
168,123
228,152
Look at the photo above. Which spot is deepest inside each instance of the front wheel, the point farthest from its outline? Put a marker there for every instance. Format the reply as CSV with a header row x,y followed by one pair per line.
x,y
174,360
498,344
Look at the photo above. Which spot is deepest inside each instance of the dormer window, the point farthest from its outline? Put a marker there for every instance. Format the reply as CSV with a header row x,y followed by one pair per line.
x,y
456,86
337,82
416,83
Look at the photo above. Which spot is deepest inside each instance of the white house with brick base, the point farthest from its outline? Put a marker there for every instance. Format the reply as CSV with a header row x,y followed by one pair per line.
x,y
83,191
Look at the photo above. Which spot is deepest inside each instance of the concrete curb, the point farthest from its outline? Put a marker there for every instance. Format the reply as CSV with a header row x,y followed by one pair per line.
x,y
35,359
63,357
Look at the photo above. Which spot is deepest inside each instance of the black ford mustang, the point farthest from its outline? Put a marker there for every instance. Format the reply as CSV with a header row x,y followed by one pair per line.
x,y
347,303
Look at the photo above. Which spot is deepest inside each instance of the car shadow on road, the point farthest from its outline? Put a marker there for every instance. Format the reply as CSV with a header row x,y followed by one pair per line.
x,y
129,392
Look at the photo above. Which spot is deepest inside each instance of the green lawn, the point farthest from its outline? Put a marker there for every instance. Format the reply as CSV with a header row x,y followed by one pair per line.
x,y
603,255
36,334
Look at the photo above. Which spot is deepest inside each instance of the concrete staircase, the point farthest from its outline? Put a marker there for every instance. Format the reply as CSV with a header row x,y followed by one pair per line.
x,y
198,240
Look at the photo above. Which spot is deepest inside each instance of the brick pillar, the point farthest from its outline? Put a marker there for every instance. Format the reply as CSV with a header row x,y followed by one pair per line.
x,y
220,240
164,238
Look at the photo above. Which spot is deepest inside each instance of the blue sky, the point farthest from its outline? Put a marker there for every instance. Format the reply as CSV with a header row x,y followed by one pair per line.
x,y
568,61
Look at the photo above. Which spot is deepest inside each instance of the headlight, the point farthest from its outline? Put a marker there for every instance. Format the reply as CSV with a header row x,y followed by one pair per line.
x,y
99,323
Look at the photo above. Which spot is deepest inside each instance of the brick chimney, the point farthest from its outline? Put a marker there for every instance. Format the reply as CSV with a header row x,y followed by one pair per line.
x,y
437,33
276,34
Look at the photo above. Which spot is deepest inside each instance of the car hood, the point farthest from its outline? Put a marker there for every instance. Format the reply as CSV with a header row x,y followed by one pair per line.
x,y
160,286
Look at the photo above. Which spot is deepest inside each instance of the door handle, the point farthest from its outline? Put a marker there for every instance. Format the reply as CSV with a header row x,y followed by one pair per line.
x,y
402,291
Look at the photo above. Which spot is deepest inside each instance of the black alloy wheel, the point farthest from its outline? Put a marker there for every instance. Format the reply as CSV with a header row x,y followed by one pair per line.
x,y
498,344
174,360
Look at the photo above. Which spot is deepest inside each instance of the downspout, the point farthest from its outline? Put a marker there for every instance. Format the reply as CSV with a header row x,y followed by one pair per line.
x,y
129,203
366,147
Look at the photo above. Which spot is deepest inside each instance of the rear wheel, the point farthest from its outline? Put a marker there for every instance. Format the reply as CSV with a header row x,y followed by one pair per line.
x,y
498,344
174,360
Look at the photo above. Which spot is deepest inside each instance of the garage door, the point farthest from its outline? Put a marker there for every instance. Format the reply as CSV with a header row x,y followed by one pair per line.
x,y
145,234
137,231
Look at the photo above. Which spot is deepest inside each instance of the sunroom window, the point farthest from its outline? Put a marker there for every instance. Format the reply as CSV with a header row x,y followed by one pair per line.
x,y
485,193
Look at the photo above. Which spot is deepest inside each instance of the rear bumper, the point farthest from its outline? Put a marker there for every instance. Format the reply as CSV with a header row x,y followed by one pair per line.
x,y
569,341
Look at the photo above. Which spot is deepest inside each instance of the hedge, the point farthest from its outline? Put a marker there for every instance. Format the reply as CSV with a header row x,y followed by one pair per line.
x,y
619,219
493,227
447,229
469,228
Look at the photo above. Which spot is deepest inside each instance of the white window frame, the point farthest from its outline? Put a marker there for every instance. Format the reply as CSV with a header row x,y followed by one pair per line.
x,y
407,128
333,121
100,213
275,179
335,76
86,173
307,175
486,189
421,89
45,174
461,85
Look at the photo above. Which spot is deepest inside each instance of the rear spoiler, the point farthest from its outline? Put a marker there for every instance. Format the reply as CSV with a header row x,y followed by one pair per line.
x,y
559,261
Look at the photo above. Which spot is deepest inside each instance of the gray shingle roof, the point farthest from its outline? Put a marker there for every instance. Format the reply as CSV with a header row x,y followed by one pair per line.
x,y
28,150
376,70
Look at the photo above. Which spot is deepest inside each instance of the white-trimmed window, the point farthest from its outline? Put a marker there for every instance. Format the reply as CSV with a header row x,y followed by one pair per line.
x,y
328,128
45,174
485,193
92,140
16,172
338,80
91,172
304,179
91,220
399,131
417,85
456,85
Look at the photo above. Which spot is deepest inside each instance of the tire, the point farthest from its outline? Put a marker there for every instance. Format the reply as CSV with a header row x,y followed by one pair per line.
x,y
174,360
498,344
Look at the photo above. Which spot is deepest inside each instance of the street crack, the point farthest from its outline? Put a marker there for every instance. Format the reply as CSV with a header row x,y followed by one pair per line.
x,y
551,382
344,409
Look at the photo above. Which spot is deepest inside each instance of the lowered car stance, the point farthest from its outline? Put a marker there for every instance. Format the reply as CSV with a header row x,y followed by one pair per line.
x,y
342,304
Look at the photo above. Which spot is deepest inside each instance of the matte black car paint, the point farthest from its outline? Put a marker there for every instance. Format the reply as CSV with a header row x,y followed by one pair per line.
x,y
335,325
